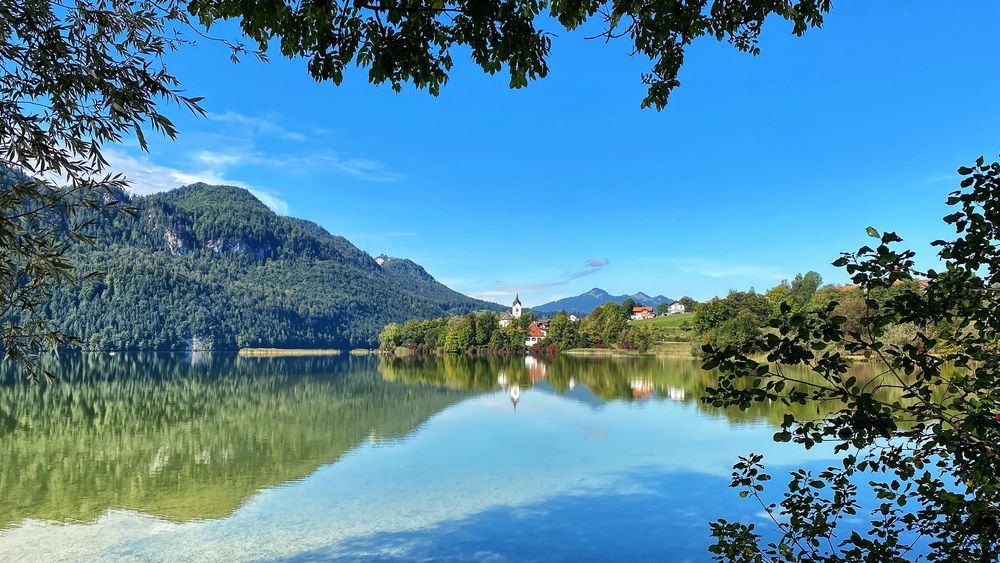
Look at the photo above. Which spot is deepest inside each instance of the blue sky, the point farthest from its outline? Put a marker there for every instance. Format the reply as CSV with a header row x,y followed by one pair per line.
x,y
758,169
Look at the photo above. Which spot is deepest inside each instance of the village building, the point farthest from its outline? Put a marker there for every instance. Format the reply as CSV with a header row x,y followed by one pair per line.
x,y
535,335
676,308
508,317
639,312
505,319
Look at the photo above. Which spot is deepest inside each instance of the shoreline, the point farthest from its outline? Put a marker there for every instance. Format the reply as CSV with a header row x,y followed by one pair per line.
x,y
681,352
277,352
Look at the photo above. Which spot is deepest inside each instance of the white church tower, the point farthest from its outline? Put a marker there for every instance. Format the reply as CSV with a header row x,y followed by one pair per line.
x,y
515,309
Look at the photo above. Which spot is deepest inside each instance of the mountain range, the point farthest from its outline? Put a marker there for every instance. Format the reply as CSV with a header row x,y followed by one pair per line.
x,y
213,265
584,303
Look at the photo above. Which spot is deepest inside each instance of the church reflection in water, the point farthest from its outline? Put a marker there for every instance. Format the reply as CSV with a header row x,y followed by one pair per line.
x,y
536,370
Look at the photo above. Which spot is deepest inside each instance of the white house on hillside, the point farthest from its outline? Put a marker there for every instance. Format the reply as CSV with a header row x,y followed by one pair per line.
x,y
639,312
675,308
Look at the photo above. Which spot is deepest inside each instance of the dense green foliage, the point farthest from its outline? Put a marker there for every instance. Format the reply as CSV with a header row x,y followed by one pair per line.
x,y
731,320
564,333
73,76
742,316
210,266
931,454
467,334
412,41
606,327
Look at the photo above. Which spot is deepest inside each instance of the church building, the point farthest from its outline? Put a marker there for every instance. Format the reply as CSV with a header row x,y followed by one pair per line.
x,y
515,312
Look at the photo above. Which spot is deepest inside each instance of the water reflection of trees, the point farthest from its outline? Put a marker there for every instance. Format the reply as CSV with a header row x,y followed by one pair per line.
x,y
186,440
608,379
193,439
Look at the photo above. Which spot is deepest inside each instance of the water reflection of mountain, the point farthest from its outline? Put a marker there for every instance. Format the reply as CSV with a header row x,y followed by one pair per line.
x,y
189,440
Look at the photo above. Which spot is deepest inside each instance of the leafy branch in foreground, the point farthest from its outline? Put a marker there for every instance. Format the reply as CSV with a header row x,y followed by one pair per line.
x,y
412,40
72,77
931,456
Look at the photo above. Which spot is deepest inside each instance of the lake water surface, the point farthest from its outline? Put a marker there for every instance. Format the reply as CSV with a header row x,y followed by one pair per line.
x,y
173,458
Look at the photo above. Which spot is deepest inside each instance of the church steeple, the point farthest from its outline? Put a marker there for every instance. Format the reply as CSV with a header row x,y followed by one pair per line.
x,y
515,309
517,299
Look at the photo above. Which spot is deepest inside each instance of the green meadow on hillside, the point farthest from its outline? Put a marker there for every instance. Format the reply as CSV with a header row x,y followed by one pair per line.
x,y
670,328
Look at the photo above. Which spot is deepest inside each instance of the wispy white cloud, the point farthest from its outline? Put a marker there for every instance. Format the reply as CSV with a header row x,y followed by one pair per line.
x,y
250,129
212,158
147,177
364,169
222,156
592,266
533,287
303,163
259,125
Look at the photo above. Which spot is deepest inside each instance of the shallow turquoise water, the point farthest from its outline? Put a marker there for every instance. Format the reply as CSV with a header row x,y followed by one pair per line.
x,y
218,458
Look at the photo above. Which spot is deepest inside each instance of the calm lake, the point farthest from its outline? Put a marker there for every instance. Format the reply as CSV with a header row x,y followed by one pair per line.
x,y
215,457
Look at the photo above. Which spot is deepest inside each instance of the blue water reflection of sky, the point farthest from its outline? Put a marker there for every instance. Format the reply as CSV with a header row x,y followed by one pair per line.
x,y
555,479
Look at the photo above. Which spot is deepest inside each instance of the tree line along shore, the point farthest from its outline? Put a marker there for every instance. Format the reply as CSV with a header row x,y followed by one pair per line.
x,y
733,320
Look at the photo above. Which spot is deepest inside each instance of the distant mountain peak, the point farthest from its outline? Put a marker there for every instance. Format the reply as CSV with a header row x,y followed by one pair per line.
x,y
201,190
587,302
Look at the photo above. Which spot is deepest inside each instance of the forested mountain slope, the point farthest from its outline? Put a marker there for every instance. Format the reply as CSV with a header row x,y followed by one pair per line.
x,y
212,264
